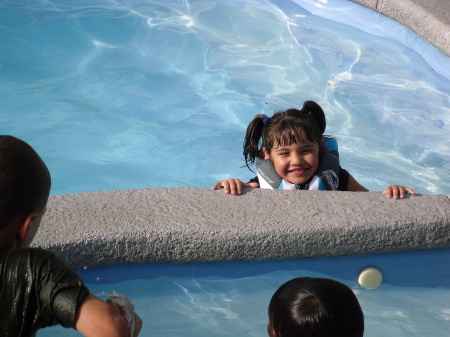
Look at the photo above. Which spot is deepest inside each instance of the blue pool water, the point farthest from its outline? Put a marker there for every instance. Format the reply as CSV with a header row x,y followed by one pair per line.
x,y
231,298
129,94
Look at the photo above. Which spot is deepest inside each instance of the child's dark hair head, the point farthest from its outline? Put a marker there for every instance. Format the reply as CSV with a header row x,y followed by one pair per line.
x,y
315,307
24,180
283,128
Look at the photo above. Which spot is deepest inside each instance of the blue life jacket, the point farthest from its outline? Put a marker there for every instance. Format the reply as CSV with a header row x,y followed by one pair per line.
x,y
326,177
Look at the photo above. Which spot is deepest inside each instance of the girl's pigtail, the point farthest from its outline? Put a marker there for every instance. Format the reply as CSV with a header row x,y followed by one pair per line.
x,y
314,109
253,136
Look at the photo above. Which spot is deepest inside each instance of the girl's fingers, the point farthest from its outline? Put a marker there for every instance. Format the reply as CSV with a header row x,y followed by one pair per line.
x,y
403,190
227,186
230,186
409,190
397,191
233,186
217,185
388,192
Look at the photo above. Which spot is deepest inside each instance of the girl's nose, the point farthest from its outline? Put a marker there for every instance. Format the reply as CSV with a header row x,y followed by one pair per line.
x,y
296,159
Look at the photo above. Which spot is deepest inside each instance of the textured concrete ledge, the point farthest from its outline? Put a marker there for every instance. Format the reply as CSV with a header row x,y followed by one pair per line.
x,y
429,19
198,224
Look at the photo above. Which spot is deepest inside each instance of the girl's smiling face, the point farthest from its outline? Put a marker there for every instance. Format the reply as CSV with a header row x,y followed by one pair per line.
x,y
297,162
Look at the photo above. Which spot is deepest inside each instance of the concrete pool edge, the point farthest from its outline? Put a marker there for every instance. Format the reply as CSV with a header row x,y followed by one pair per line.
x,y
185,224
429,19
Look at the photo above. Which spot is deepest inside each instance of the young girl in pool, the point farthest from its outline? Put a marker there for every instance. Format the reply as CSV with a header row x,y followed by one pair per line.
x,y
294,154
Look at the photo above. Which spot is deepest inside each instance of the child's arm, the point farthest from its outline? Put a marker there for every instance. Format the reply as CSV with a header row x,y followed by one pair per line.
x,y
233,186
354,186
392,191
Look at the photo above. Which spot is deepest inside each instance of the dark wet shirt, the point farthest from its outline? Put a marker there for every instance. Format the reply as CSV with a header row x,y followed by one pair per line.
x,y
36,291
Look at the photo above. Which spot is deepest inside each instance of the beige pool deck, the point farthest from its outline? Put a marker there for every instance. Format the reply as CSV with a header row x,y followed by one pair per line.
x,y
197,224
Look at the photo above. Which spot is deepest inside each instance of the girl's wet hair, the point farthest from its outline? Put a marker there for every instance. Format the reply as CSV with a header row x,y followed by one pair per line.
x,y
283,128
316,307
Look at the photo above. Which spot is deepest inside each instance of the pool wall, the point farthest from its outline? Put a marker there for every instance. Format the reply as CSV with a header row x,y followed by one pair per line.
x,y
198,224
429,19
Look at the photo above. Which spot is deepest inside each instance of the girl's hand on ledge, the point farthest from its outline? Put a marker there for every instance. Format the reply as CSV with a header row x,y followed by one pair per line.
x,y
233,186
397,191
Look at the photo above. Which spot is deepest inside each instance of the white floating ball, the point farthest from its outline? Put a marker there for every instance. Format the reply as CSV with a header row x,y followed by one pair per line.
x,y
370,278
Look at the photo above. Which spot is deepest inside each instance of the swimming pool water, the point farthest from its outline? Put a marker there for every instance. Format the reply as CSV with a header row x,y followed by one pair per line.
x,y
129,94
231,298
